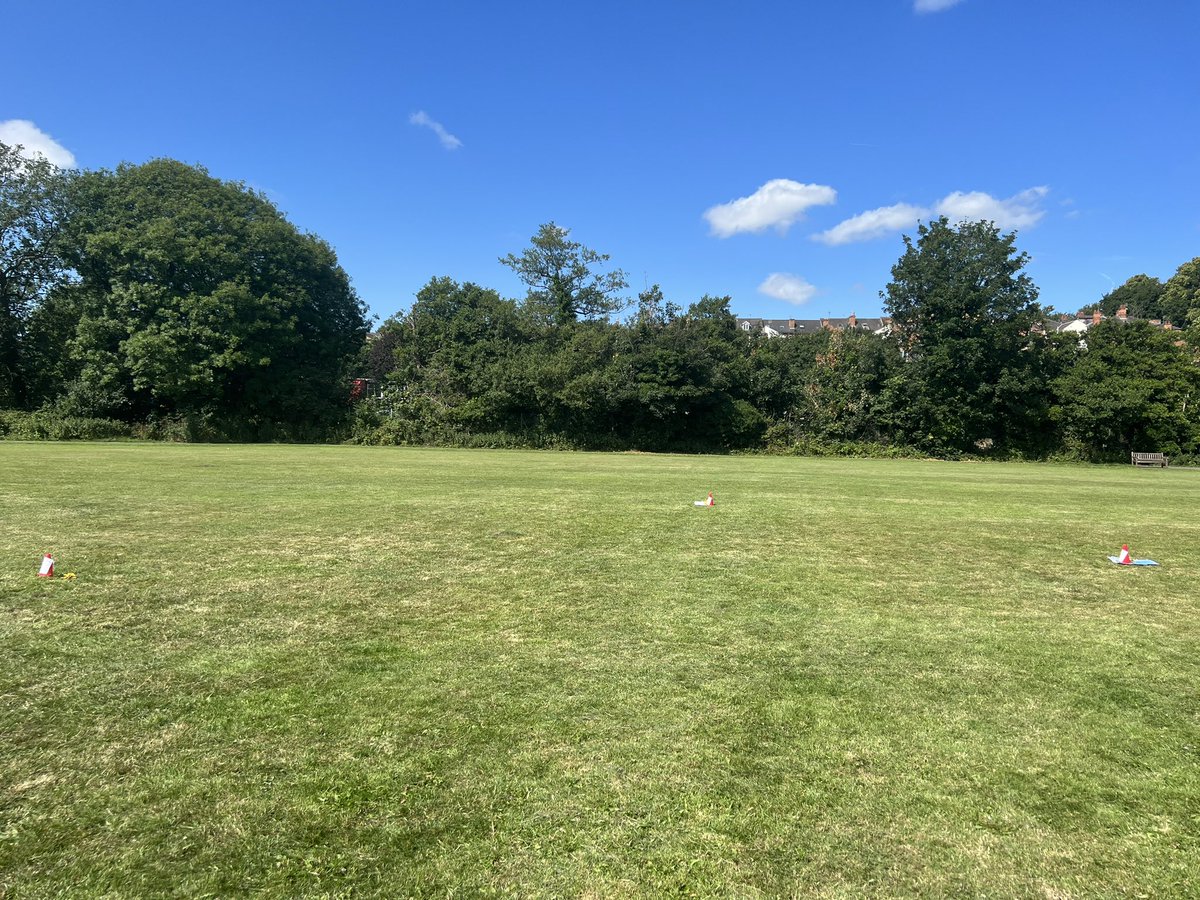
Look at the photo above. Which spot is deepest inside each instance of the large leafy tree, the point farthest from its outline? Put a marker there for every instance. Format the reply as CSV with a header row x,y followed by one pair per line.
x,y
563,280
844,397
31,213
453,357
197,297
1139,295
825,385
1133,388
963,312
1181,296
681,379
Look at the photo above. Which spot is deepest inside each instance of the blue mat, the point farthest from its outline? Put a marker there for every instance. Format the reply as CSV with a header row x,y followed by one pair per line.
x,y
1136,562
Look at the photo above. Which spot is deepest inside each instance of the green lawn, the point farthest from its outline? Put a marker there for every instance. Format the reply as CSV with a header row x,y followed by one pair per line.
x,y
335,671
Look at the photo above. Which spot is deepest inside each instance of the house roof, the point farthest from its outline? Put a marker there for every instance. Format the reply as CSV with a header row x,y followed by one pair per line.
x,y
1081,323
784,327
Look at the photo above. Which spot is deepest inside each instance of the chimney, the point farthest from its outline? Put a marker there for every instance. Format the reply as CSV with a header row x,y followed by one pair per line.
x,y
1123,312
852,321
824,323
1096,317
792,324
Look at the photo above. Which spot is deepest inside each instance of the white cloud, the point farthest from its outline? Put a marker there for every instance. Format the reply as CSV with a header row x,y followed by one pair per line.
x,y
1018,211
777,204
873,224
35,142
449,141
791,288
1021,210
932,6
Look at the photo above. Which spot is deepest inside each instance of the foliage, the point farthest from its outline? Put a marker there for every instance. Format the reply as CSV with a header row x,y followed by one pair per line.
x,y
829,386
453,357
466,362
46,425
680,379
1181,295
1132,389
187,308
31,212
195,297
1140,295
563,284
964,315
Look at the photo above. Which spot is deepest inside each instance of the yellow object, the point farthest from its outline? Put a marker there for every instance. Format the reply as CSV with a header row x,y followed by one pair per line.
x,y
70,576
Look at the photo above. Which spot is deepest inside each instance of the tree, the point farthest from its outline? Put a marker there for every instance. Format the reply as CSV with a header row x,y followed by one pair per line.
x,y
1139,295
31,211
562,282
844,396
1132,389
449,350
196,297
964,315
681,379
1182,294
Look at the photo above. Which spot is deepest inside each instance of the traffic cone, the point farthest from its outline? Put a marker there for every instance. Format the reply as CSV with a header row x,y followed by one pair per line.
x,y
710,501
47,569
1124,559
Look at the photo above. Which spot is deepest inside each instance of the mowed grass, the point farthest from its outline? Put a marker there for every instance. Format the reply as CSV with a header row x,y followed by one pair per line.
x,y
327,671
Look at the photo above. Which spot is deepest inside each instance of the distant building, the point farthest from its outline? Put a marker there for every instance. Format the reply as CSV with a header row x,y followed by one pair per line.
x,y
773,328
1081,322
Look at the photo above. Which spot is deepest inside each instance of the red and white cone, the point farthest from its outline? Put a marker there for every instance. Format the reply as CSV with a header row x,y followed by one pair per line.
x,y
1124,559
47,569
710,501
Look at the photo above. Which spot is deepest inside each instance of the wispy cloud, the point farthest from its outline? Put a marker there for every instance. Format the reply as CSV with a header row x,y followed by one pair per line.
x,y
35,142
449,141
872,224
1021,210
778,204
932,6
791,288
1018,211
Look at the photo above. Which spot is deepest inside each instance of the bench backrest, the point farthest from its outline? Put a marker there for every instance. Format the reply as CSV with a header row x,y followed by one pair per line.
x,y
1136,458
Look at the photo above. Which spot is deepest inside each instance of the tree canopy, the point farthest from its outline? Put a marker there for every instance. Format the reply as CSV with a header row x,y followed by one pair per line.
x,y
156,299
32,194
963,311
1181,295
562,279
1140,296
196,297
1133,387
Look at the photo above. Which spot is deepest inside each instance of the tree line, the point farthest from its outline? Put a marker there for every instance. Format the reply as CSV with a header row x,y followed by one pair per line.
x,y
159,296
972,365
157,300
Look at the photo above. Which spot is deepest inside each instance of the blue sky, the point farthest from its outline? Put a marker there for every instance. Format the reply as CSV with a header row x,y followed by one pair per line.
x,y
774,152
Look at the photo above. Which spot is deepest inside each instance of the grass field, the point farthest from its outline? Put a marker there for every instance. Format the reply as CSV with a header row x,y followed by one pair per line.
x,y
334,671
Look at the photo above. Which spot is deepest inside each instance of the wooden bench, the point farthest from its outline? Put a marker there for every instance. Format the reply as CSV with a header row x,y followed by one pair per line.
x,y
1148,459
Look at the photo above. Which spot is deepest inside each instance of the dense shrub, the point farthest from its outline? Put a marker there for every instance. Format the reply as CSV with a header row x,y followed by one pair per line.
x,y
45,425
